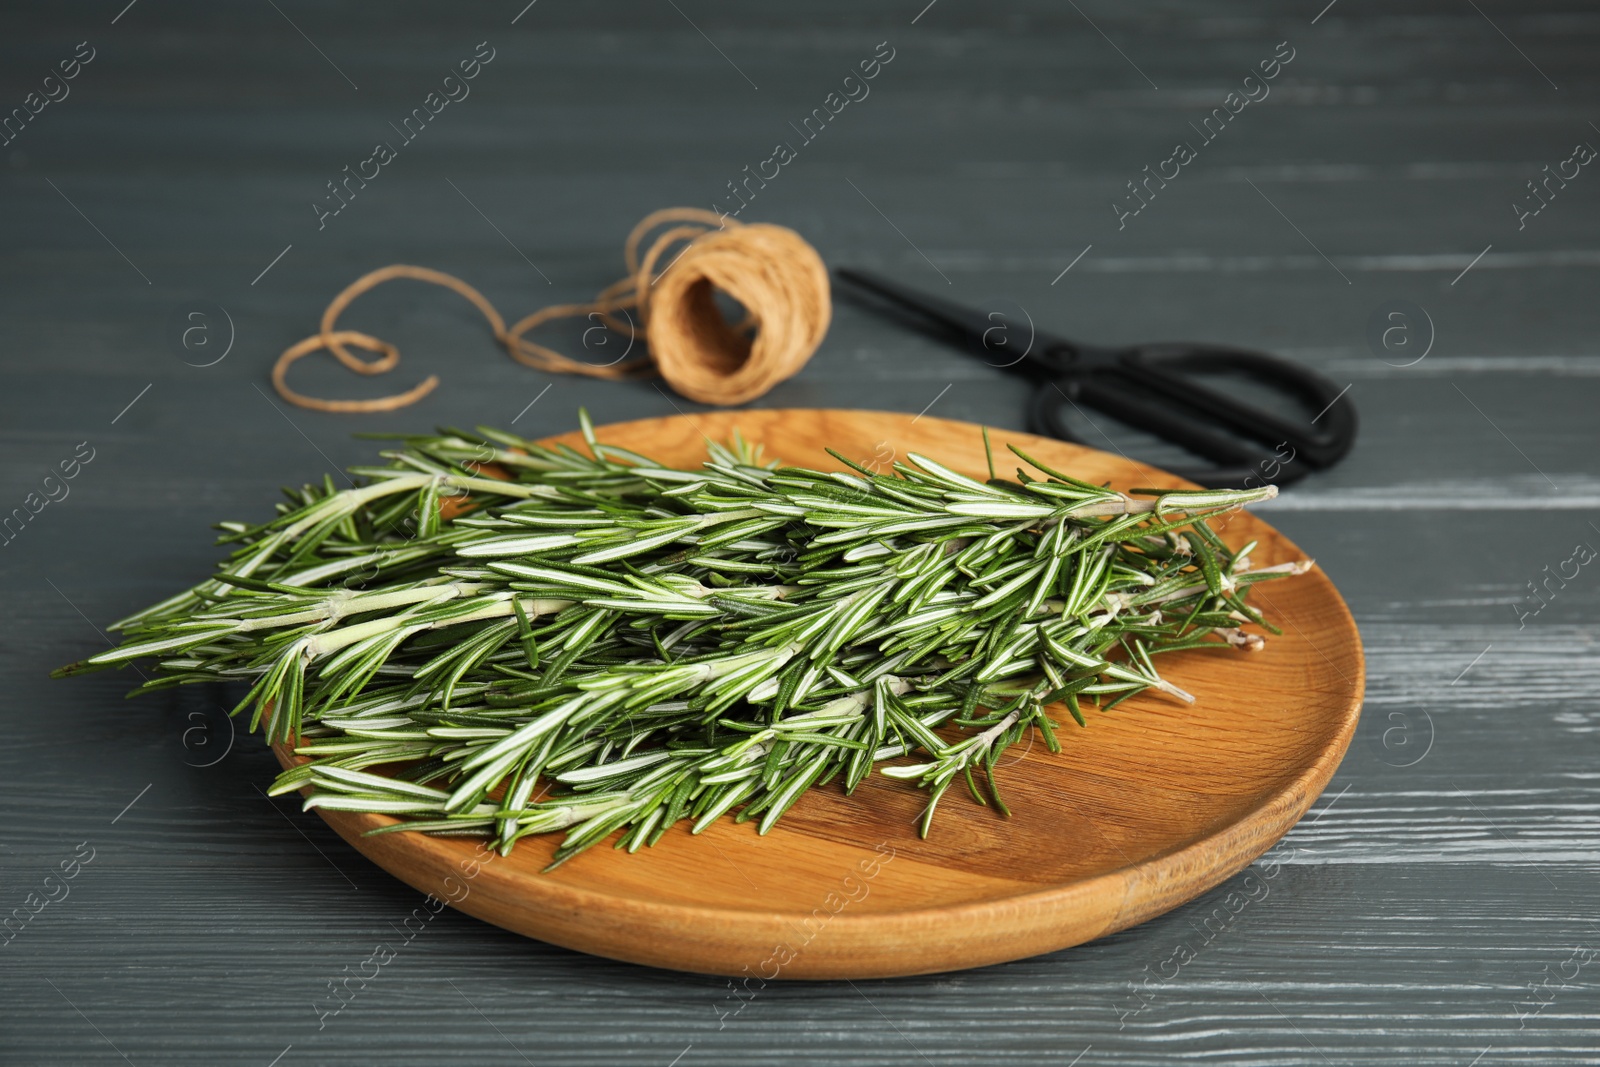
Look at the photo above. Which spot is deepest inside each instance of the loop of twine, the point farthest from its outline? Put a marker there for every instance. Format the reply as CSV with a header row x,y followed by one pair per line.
x,y
778,278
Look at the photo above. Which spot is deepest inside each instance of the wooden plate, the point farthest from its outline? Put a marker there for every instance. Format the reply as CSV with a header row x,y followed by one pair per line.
x,y
1150,805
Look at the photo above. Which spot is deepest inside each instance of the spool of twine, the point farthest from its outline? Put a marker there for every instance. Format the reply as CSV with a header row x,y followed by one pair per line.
x,y
667,300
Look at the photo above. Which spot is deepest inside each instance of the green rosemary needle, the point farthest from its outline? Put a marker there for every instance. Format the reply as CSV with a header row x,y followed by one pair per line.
x,y
644,645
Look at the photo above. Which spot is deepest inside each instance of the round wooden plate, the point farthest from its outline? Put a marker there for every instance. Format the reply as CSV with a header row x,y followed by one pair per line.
x,y
1152,804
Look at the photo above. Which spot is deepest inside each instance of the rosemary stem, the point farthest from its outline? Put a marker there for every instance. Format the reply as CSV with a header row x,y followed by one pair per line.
x,y
1295,567
345,602
325,643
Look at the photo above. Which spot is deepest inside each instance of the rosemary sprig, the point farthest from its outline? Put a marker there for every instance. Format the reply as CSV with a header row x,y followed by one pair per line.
x,y
487,617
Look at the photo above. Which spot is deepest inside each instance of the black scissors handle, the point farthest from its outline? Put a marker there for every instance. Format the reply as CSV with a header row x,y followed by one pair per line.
x,y
1151,387
1321,446
1236,464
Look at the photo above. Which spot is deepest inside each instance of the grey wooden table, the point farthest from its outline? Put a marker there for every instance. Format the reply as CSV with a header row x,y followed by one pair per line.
x,y
1440,904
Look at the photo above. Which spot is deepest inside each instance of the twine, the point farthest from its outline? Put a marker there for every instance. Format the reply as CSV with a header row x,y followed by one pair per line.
x,y
778,278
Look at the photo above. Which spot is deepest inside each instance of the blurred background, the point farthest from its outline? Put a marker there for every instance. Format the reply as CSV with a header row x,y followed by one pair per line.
x,y
163,160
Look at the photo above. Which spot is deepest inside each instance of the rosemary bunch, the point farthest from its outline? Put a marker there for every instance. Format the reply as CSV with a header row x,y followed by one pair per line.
x,y
531,639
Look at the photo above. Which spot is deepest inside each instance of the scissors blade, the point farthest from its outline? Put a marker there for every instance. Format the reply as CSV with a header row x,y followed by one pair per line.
x,y
982,333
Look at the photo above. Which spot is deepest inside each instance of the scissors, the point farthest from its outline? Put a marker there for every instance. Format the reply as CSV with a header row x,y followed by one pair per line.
x,y
1149,387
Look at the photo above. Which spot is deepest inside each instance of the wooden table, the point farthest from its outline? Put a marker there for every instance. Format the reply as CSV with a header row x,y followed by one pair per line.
x,y
1440,903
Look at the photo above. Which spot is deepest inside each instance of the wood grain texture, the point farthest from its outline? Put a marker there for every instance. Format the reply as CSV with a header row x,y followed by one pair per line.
x,y
1419,900
1148,807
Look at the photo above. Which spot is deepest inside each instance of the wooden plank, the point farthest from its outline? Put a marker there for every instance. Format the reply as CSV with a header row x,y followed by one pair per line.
x,y
1410,921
